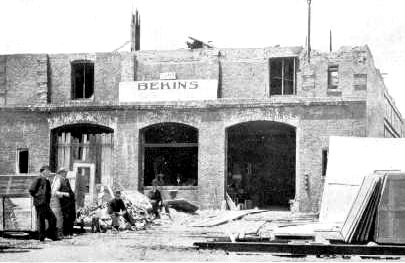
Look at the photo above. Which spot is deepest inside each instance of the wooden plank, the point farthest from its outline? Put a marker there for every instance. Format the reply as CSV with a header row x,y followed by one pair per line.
x,y
15,184
303,249
17,214
229,202
373,213
226,217
358,207
390,224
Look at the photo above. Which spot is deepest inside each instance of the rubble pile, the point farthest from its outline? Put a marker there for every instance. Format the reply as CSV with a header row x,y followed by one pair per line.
x,y
137,204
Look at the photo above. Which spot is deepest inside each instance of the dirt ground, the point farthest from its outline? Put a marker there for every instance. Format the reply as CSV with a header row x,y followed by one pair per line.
x,y
167,240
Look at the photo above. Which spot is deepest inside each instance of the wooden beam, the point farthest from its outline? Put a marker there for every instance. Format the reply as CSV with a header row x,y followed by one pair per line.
x,y
303,249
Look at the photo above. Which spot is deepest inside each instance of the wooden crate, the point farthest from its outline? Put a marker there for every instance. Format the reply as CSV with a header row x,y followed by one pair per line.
x,y
17,210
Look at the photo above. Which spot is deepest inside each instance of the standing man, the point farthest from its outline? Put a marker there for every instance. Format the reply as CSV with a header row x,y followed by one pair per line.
x,y
115,206
64,203
40,190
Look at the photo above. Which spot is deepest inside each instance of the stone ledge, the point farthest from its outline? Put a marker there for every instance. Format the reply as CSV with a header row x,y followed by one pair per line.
x,y
277,101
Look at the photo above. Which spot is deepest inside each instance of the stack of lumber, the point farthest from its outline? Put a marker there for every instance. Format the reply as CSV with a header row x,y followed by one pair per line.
x,y
378,211
390,221
357,227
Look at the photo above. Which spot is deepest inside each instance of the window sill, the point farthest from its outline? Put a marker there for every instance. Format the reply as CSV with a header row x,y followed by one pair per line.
x,y
83,100
173,187
334,93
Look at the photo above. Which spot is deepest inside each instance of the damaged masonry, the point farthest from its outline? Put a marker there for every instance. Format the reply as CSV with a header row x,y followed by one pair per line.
x,y
218,128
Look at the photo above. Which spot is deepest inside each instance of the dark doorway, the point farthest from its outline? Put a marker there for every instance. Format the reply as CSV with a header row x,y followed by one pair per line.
x,y
261,164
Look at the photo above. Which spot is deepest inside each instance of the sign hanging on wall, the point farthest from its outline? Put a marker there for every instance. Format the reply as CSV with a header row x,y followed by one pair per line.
x,y
167,75
168,90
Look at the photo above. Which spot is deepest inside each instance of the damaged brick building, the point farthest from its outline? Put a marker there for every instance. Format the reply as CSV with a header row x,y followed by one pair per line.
x,y
251,122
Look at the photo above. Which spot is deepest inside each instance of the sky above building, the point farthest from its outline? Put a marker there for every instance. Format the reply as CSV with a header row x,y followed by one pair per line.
x,y
69,26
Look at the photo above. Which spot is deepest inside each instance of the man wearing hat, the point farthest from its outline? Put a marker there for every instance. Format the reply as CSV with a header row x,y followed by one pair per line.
x,y
68,204
40,190
62,203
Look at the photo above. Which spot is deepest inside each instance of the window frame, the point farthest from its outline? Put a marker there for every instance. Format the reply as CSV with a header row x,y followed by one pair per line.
x,y
294,74
18,159
149,144
74,88
333,68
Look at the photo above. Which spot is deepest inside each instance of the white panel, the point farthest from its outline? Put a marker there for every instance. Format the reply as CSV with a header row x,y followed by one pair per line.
x,y
350,159
168,90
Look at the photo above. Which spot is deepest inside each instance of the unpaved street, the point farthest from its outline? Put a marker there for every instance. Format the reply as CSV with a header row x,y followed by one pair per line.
x,y
164,241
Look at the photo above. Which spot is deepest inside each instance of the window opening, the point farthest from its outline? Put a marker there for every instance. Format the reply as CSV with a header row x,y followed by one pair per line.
x,y
282,76
82,79
333,77
22,155
170,155
324,161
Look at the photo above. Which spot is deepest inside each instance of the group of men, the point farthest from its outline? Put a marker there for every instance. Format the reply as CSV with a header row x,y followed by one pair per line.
x,y
55,202
62,213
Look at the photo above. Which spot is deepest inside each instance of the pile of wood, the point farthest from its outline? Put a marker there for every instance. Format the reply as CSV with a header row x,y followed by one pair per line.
x,y
377,211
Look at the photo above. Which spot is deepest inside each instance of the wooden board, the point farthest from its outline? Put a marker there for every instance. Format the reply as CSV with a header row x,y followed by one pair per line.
x,y
17,214
226,217
303,249
346,170
390,223
358,207
16,184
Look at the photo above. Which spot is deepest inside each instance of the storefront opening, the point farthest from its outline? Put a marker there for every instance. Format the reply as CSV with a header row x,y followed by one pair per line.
x,y
261,164
170,154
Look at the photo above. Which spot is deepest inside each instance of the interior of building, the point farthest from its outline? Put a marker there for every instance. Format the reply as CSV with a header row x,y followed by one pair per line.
x,y
261,164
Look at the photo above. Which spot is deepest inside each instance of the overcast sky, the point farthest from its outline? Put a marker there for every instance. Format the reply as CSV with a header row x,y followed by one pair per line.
x,y
66,26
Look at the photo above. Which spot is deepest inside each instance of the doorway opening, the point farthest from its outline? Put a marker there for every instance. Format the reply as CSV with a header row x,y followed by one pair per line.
x,y
86,152
261,164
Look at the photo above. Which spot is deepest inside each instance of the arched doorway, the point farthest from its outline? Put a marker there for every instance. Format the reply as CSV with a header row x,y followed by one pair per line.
x,y
86,150
261,164
169,151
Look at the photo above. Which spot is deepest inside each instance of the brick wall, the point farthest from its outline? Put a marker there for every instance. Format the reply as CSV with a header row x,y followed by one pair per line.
x,y
23,130
314,124
23,79
3,79
242,73
107,75
187,64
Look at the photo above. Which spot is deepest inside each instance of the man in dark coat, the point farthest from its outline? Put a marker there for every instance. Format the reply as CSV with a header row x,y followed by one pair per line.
x,y
40,190
67,204
155,198
116,208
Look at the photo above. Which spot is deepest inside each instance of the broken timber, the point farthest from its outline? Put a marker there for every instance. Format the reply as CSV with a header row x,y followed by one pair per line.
x,y
303,249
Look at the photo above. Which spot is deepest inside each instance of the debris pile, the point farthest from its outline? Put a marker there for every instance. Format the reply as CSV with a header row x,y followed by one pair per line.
x,y
96,216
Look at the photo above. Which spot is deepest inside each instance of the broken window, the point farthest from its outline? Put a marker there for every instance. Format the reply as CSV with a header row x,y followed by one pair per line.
x,y
333,77
22,160
82,79
282,76
170,154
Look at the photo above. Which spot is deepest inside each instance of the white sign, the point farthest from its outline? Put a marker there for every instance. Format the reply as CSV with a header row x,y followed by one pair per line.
x,y
168,75
168,90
